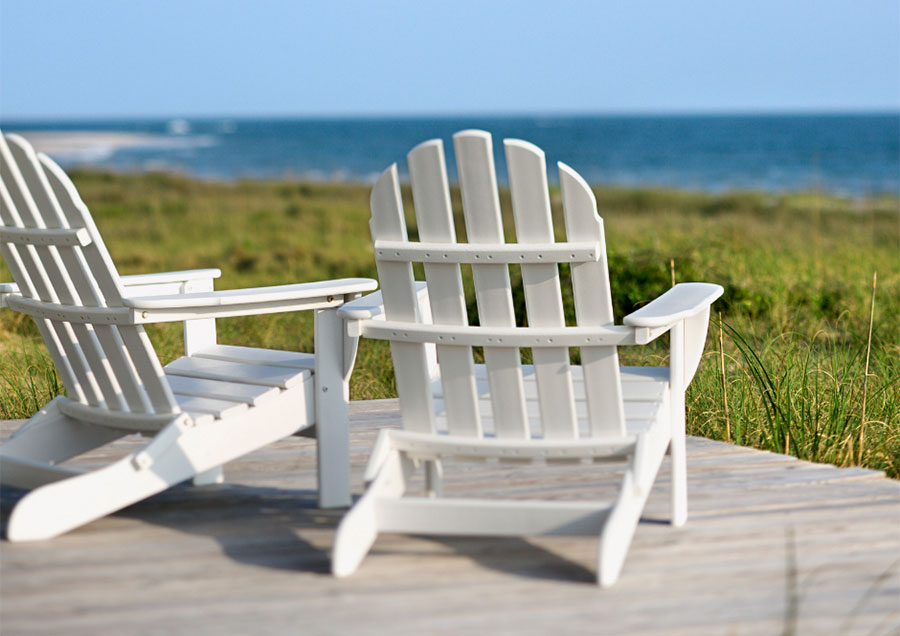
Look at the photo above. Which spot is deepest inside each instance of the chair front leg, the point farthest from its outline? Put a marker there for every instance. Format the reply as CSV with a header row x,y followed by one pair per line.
x,y
332,395
198,334
677,448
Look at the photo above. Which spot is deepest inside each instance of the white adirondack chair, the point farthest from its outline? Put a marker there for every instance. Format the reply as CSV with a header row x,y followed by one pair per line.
x,y
204,409
505,409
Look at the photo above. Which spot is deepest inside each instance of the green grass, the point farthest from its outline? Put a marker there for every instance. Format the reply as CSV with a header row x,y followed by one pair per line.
x,y
797,271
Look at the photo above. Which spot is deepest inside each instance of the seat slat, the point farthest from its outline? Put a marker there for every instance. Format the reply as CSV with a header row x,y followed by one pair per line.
x,y
543,296
261,374
251,355
253,394
635,411
434,216
493,292
218,408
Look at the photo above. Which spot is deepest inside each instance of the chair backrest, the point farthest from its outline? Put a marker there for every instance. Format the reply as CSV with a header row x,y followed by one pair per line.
x,y
56,256
559,401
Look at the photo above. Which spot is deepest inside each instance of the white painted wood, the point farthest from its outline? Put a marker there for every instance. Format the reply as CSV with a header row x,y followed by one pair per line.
x,y
543,298
277,293
332,393
199,334
547,414
434,217
252,394
224,370
534,337
493,292
56,237
251,355
487,517
191,404
593,306
227,400
677,424
411,367
436,251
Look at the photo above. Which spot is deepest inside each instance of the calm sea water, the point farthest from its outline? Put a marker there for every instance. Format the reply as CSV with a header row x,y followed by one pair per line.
x,y
855,154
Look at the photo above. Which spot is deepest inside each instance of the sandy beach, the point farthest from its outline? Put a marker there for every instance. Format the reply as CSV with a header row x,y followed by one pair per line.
x,y
91,145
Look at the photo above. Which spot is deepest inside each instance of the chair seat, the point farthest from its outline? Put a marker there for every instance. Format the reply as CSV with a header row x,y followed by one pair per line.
x,y
225,380
645,390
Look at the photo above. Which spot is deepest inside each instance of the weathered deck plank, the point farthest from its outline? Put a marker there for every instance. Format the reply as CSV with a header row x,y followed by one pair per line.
x,y
772,544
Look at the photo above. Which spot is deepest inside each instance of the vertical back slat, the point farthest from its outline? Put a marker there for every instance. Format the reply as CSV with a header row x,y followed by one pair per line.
x,y
14,261
73,208
593,307
434,216
484,224
543,298
398,291
75,284
101,284
45,271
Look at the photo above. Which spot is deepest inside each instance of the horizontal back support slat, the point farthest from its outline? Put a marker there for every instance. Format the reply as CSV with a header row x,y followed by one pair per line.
x,y
398,290
56,237
434,217
543,298
493,292
470,253
593,306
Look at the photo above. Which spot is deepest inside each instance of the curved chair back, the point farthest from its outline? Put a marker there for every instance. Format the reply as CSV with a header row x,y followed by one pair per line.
x,y
550,399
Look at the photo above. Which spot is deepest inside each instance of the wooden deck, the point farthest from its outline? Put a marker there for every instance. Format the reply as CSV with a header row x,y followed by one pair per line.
x,y
773,545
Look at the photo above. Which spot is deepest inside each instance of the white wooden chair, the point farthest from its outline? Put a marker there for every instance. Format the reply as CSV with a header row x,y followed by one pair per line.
x,y
503,408
204,409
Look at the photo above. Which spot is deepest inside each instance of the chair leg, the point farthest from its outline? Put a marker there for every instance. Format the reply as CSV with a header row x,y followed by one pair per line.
x,y
210,477
618,531
51,510
434,477
359,527
626,512
51,437
678,452
332,412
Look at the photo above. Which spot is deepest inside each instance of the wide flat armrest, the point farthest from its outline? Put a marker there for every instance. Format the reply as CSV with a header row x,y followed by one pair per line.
x,y
371,305
679,303
133,284
253,295
170,277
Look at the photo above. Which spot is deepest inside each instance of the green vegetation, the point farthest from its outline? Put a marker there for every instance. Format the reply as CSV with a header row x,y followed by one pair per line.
x,y
793,323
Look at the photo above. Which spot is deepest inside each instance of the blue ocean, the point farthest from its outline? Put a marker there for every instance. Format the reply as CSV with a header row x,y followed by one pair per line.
x,y
855,154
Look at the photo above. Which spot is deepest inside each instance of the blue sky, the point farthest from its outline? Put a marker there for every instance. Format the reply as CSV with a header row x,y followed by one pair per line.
x,y
96,58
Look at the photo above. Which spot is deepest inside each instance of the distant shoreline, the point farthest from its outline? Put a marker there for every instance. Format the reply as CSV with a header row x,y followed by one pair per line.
x,y
853,155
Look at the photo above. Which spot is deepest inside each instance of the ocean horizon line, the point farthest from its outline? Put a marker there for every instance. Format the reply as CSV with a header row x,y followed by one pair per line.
x,y
564,114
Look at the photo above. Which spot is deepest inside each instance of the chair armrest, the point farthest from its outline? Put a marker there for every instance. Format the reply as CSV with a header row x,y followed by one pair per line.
x,y
243,302
141,284
158,278
368,307
371,307
679,303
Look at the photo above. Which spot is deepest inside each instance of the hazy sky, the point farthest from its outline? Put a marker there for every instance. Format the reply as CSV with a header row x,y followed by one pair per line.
x,y
97,58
